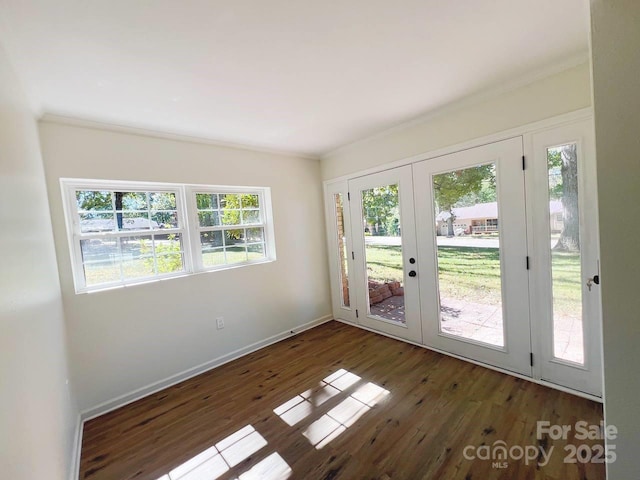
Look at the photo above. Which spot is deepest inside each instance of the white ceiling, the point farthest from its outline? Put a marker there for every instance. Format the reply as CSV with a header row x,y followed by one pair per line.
x,y
295,75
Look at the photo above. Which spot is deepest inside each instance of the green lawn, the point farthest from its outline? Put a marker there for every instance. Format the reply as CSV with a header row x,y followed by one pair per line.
x,y
142,266
473,274
470,273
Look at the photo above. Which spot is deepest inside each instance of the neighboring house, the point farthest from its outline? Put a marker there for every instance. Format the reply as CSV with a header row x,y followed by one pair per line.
x,y
108,225
483,218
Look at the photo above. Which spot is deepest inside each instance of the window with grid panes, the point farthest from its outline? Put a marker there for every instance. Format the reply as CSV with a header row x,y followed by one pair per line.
x,y
123,233
231,227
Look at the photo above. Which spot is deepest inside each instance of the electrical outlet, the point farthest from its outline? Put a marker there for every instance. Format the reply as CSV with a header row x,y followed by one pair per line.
x,y
220,323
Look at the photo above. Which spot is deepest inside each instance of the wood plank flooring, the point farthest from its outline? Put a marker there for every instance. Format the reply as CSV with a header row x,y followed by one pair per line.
x,y
337,402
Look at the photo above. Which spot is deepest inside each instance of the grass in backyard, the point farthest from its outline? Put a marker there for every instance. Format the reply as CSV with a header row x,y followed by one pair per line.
x,y
136,267
473,274
567,283
384,263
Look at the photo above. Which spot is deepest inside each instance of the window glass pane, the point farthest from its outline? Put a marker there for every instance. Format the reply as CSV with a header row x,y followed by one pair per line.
x,y
209,219
255,251
210,240
229,200
101,260
170,263
168,251
250,216
566,274
134,221
101,272
207,201
236,254
99,250
137,256
213,257
164,219
249,200
230,217
90,200
234,237
255,235
342,250
162,201
97,222
131,201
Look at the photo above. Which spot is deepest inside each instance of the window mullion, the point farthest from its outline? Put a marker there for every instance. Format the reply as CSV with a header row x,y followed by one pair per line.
x,y
190,223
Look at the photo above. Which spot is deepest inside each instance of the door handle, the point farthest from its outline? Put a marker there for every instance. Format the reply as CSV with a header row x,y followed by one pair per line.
x,y
595,280
412,273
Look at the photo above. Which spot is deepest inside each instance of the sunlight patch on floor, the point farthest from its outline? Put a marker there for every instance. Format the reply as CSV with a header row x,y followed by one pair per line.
x,y
345,414
229,452
301,406
272,467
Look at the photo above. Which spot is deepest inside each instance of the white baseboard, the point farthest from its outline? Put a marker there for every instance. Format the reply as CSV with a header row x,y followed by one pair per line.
x,y
139,393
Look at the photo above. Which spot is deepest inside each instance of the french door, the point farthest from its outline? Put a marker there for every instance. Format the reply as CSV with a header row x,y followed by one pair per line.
x,y
480,254
385,253
472,238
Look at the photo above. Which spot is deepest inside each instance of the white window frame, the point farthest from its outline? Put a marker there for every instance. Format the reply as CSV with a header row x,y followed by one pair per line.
x,y
266,224
188,227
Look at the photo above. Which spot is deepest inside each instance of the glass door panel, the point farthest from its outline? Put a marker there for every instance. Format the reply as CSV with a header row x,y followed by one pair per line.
x,y
342,250
384,247
471,227
339,249
566,271
468,254
383,252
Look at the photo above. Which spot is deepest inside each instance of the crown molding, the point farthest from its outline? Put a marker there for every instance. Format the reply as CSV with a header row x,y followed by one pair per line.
x,y
166,135
470,100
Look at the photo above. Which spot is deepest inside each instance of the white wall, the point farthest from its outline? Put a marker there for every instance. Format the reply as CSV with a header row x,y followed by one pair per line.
x,y
128,338
37,412
563,92
616,69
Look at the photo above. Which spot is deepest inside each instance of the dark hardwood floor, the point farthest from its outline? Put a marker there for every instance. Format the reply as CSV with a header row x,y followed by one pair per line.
x,y
337,402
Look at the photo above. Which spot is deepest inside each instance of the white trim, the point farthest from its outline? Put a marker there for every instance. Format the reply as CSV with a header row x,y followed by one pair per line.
x,y
559,120
544,383
74,473
470,100
59,119
188,227
139,393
